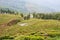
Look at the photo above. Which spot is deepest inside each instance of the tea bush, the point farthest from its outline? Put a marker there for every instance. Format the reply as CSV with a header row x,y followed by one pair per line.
x,y
31,37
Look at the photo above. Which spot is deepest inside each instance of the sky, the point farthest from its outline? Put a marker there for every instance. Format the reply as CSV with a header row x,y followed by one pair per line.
x,y
54,4
48,3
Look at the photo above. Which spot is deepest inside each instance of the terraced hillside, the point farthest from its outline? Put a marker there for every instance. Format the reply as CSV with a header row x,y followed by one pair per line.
x,y
32,28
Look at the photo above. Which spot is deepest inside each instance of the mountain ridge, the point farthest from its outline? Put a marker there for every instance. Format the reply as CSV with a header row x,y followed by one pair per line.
x,y
26,7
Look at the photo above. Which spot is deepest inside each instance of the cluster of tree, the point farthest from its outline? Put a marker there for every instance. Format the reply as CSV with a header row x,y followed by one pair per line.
x,y
25,17
6,11
55,16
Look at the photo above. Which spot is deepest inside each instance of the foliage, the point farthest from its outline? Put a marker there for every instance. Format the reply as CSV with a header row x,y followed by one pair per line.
x,y
31,37
6,38
55,16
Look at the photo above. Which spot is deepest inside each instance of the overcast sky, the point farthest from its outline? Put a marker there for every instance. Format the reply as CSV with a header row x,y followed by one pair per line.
x,y
48,3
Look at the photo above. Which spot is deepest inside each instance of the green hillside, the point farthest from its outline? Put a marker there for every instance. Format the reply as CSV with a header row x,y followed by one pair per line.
x,y
32,29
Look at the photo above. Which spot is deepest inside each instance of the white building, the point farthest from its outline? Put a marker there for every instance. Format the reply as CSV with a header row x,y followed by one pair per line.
x,y
31,15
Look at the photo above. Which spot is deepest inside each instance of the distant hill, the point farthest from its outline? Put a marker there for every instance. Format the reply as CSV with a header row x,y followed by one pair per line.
x,y
23,6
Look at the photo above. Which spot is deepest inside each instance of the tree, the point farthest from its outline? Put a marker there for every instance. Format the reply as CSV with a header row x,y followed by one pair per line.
x,y
34,15
28,16
22,15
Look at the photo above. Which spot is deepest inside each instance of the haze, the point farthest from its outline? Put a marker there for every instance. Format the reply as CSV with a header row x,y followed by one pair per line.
x,y
54,4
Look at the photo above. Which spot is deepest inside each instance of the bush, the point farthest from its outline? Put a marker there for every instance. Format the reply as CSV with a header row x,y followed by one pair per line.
x,y
31,37
6,38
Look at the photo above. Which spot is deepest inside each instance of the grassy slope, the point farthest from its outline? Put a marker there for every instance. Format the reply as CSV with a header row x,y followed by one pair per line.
x,y
6,17
34,26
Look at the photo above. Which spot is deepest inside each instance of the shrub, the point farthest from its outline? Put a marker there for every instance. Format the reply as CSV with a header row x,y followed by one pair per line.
x,y
6,38
31,37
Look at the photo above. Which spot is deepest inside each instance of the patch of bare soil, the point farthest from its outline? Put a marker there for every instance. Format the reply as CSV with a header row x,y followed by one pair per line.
x,y
3,25
10,23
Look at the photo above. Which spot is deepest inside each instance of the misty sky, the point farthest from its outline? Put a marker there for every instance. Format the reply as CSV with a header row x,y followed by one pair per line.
x,y
49,3
55,4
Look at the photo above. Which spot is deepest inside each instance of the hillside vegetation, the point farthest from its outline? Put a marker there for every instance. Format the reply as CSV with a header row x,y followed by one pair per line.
x,y
33,29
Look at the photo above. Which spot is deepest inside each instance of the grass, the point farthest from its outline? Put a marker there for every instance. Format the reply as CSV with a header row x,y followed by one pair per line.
x,y
7,17
36,28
